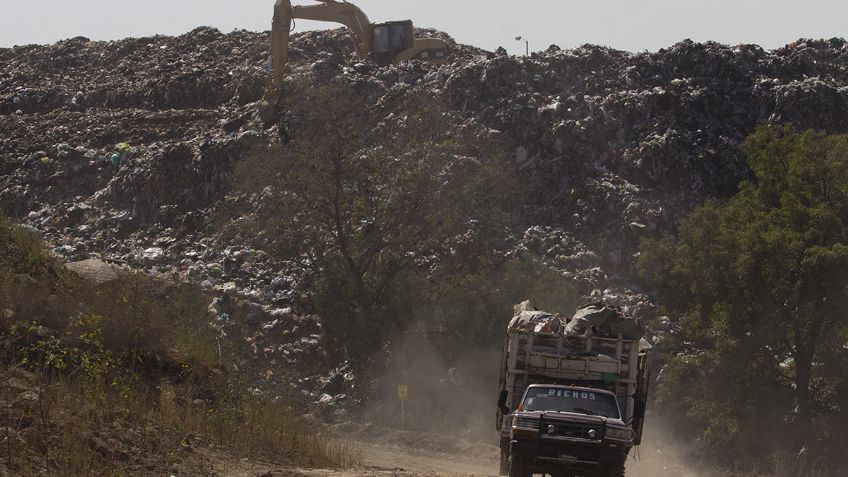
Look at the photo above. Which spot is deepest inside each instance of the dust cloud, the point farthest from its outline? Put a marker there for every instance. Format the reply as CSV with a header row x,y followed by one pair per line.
x,y
661,455
455,394
450,391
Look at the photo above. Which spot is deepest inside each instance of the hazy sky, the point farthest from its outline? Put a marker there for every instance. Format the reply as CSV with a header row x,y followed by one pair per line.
x,y
625,24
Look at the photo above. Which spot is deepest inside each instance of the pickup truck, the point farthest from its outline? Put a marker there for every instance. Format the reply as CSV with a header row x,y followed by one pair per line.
x,y
570,404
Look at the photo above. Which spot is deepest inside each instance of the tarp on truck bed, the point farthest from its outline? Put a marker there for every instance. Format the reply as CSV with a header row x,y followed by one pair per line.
x,y
605,321
527,318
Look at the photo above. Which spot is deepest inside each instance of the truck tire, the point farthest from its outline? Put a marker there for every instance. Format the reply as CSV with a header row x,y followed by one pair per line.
x,y
614,471
517,467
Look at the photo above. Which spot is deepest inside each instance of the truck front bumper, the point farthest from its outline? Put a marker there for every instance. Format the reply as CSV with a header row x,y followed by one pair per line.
x,y
549,454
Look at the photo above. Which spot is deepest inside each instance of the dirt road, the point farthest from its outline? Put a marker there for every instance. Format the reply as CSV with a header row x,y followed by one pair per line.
x,y
424,463
392,453
378,461
424,454
648,461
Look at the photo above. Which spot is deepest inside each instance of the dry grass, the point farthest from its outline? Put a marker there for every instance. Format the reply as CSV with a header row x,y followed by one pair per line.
x,y
256,427
128,377
80,428
786,465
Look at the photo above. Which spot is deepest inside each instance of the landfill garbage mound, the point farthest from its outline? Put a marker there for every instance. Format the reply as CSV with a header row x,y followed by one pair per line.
x,y
124,150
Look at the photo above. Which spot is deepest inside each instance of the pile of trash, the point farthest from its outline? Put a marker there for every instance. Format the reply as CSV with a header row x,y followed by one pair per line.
x,y
604,320
125,150
527,319
595,318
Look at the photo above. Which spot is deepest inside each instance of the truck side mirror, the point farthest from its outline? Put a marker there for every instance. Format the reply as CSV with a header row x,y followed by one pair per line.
x,y
502,402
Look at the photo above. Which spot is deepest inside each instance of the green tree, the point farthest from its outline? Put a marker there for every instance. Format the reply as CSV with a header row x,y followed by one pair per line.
x,y
367,192
761,282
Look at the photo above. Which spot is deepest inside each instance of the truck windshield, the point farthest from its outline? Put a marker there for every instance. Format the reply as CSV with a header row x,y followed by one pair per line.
x,y
571,400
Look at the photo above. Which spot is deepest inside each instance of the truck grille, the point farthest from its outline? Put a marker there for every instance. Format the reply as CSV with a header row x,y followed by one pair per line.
x,y
571,430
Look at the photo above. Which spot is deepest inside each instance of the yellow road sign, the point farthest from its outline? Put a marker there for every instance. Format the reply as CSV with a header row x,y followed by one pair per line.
x,y
403,392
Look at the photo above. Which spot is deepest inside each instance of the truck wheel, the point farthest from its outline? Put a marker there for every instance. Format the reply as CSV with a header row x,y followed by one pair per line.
x,y
614,471
517,467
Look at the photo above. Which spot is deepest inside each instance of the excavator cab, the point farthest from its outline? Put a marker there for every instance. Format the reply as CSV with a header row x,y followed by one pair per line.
x,y
391,38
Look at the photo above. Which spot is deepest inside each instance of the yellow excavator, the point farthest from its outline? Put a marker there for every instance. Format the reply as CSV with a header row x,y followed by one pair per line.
x,y
385,43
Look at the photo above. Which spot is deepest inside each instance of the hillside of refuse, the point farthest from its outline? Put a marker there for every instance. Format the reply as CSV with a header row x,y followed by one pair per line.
x,y
125,151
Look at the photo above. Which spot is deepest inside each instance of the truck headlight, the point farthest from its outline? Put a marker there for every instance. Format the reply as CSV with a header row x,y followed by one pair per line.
x,y
619,433
525,423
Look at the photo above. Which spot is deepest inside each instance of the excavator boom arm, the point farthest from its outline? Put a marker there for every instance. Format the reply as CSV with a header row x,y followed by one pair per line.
x,y
361,31
347,14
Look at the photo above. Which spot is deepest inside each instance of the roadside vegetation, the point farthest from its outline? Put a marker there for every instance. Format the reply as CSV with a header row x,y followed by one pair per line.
x,y
760,285
126,377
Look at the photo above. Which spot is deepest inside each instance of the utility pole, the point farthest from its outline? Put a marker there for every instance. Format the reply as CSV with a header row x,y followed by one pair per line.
x,y
526,44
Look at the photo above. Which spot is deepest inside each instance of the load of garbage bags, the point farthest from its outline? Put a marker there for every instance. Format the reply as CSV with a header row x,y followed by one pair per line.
x,y
602,320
